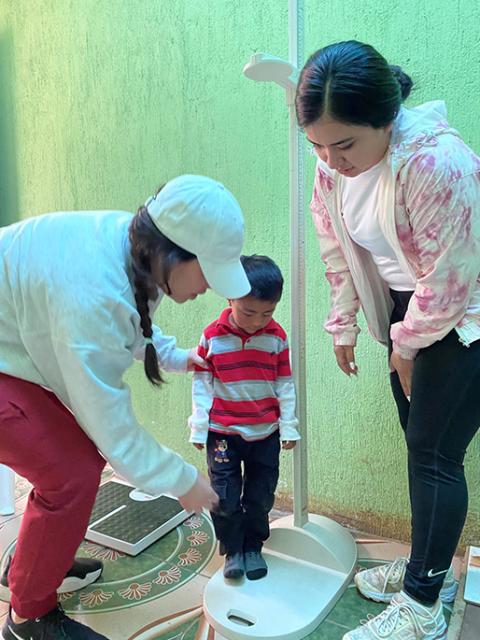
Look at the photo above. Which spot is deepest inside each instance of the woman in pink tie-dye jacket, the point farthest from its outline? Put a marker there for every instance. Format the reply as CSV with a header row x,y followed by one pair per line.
x,y
396,206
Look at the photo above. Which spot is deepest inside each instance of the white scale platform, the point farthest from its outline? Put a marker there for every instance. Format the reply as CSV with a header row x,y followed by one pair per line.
x,y
308,570
128,520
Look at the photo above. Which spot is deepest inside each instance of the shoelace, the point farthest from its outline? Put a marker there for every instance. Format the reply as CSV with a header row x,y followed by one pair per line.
x,y
395,571
383,625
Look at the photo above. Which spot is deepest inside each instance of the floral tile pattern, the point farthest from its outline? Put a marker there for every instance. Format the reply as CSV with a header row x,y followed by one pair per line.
x,y
157,595
127,581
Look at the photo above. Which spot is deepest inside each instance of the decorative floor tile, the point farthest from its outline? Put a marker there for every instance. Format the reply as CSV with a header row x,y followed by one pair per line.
x,y
351,608
158,594
186,625
328,631
130,581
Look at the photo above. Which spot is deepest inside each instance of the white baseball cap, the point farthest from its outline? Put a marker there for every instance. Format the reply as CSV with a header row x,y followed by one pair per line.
x,y
202,216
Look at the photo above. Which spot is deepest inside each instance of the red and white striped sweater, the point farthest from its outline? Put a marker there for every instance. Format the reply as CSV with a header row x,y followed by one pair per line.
x,y
248,388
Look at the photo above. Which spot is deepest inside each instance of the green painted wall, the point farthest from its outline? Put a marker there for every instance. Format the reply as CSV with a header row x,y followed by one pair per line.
x,y
103,100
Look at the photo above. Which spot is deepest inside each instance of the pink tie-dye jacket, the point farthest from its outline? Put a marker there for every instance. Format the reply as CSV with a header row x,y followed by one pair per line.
x,y
431,218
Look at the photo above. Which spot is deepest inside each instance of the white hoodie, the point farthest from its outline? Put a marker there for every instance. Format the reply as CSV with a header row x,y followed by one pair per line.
x,y
68,321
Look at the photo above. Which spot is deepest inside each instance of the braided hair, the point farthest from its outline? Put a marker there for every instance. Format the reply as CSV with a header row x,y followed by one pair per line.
x,y
149,244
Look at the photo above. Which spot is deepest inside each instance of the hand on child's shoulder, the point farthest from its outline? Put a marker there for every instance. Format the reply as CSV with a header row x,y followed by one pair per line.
x,y
194,360
288,444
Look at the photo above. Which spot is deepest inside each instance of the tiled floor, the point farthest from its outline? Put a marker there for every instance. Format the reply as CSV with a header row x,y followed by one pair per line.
x,y
158,594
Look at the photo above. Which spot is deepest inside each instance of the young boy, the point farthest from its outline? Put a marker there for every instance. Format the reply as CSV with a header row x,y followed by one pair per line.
x,y
243,406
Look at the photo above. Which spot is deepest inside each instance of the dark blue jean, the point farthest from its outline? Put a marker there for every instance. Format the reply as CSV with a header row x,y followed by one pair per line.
x,y
246,497
439,423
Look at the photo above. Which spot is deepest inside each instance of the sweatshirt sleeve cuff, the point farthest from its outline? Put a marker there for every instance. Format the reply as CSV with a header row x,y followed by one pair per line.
x,y
407,353
345,339
178,360
289,432
185,481
198,436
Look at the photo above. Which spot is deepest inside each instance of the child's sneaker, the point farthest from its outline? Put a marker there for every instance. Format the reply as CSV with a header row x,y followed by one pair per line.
x,y
403,619
84,571
54,625
234,566
255,565
383,582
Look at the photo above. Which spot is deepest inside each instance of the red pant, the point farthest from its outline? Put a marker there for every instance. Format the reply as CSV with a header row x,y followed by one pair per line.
x,y
41,440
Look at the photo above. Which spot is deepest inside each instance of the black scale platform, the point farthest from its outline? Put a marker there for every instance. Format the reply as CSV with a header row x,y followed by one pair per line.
x,y
128,525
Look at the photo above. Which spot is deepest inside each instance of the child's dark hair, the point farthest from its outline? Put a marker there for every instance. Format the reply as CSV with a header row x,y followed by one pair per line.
x,y
353,83
265,277
148,244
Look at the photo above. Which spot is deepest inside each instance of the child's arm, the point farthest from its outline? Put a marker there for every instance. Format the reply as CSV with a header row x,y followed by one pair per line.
x,y
285,392
202,399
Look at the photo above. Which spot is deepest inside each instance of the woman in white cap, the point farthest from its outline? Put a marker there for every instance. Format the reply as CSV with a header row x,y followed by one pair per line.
x,y
77,294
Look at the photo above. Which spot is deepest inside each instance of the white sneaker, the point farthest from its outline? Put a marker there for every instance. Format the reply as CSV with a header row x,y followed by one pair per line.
x,y
383,582
403,619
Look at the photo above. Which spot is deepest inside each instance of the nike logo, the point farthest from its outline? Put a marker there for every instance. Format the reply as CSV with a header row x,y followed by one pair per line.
x,y
432,574
16,634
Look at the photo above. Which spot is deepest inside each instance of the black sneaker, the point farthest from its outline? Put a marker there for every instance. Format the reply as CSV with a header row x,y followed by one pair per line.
x,y
54,625
83,572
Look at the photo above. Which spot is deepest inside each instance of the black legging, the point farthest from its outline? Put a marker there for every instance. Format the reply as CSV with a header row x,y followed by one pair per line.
x,y
439,423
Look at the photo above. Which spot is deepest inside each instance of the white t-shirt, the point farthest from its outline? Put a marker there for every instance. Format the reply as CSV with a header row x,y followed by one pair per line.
x,y
361,210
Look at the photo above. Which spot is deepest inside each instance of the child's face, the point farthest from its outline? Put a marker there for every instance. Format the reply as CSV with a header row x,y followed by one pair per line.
x,y
251,314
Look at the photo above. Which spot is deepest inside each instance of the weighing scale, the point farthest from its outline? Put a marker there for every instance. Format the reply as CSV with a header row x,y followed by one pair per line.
x,y
472,580
311,559
129,520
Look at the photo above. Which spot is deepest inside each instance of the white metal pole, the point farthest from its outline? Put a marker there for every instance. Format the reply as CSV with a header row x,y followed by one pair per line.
x,y
297,253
